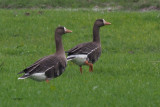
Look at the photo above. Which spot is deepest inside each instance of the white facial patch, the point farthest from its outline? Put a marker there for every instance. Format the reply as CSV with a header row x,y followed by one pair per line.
x,y
104,21
65,29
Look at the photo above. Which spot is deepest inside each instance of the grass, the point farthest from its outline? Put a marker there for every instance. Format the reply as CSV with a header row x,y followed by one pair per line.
x,y
118,4
127,73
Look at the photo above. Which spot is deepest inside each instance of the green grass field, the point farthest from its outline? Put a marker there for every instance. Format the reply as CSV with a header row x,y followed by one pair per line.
x,y
127,73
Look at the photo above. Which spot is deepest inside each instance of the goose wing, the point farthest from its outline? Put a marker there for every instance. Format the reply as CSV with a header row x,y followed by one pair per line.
x,y
85,48
49,64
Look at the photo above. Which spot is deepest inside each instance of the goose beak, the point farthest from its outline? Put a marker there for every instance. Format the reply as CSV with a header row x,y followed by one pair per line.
x,y
68,31
106,23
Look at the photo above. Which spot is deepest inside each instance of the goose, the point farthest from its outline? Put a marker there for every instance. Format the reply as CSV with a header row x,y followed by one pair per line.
x,y
88,53
50,66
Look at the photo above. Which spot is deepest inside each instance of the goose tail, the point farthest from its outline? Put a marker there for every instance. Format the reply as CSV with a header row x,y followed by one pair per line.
x,y
24,76
69,58
21,72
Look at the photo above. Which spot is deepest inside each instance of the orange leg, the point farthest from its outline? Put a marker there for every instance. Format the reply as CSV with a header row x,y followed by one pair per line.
x,y
90,66
81,70
90,69
47,81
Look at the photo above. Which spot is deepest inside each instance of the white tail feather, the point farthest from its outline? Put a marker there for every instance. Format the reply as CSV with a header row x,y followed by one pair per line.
x,y
77,59
22,78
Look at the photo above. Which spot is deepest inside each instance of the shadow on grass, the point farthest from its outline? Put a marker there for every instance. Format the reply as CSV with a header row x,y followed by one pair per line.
x,y
17,98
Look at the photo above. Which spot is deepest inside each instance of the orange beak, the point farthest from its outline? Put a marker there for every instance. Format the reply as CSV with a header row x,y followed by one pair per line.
x,y
68,31
107,23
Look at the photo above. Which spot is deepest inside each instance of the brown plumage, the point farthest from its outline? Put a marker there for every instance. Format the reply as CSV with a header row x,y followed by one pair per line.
x,y
88,53
50,66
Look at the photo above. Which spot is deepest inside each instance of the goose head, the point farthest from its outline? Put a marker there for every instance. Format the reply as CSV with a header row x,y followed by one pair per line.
x,y
101,22
62,30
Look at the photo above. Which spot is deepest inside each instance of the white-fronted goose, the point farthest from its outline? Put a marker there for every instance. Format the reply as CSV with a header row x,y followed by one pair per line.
x,y
50,66
88,53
